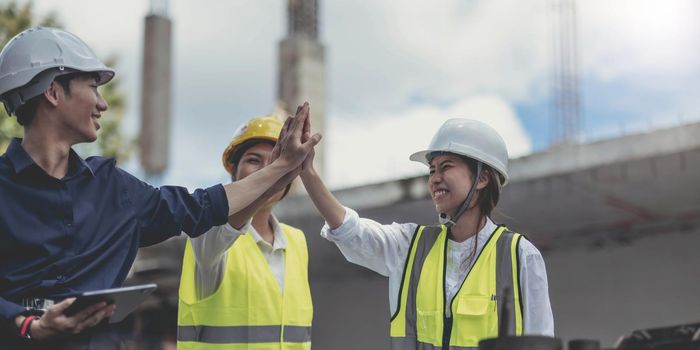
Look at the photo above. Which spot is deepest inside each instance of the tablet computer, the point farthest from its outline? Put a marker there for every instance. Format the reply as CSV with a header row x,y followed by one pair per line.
x,y
126,299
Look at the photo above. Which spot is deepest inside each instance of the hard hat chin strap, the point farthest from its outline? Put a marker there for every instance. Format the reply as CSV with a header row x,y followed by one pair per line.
x,y
449,222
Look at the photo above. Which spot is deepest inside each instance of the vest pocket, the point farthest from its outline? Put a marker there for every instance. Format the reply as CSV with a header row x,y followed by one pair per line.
x,y
472,319
427,326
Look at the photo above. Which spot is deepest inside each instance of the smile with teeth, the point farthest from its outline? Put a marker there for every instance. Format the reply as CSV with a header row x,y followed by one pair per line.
x,y
439,194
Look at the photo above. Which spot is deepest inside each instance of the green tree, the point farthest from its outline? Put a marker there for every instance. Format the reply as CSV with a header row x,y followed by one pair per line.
x,y
15,18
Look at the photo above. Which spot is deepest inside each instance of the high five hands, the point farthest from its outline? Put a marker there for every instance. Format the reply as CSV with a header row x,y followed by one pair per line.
x,y
295,144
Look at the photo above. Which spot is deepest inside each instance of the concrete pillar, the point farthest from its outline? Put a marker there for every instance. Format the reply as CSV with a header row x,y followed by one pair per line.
x,y
154,140
302,68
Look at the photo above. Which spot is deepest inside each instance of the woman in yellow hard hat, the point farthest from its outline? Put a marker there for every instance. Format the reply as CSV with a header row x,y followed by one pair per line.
x,y
245,285
453,284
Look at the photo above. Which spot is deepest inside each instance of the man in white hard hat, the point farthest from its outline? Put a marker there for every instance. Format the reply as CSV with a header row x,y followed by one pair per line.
x,y
68,224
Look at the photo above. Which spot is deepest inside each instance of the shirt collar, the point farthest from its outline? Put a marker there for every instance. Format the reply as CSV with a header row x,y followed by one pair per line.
x,y
484,234
21,160
489,228
280,241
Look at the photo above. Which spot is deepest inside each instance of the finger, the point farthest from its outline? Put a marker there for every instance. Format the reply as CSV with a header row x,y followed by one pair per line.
x,y
285,128
281,139
297,119
300,120
96,317
87,311
307,124
60,307
314,140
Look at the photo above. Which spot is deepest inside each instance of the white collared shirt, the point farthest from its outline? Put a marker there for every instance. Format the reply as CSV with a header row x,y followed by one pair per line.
x,y
211,249
383,249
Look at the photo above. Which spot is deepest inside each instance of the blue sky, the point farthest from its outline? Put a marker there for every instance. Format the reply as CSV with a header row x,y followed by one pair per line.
x,y
397,70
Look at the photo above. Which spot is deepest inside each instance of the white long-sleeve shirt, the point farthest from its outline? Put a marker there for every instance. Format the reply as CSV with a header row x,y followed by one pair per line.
x,y
383,248
211,249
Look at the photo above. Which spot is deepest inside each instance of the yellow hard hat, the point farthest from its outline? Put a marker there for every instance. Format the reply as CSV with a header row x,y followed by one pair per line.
x,y
259,128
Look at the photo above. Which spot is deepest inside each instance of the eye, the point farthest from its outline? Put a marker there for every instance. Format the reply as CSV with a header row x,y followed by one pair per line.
x,y
432,171
252,160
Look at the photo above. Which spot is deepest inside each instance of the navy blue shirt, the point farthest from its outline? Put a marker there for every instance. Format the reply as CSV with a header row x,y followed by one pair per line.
x,y
82,232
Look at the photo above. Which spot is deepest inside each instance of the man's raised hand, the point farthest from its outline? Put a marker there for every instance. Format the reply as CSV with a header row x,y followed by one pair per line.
x,y
294,144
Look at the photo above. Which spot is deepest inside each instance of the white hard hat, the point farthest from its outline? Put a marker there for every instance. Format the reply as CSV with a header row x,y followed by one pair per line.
x,y
33,58
470,138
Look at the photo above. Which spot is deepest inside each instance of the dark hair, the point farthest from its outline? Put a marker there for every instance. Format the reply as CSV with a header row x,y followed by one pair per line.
x,y
489,195
26,112
235,158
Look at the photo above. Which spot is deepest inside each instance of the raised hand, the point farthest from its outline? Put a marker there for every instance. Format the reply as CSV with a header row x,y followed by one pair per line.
x,y
294,143
285,128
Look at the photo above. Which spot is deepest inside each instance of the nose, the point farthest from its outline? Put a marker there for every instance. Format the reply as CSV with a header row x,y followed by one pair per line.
x,y
101,103
435,178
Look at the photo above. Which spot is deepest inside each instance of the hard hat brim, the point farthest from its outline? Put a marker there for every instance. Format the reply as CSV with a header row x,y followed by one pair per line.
x,y
422,157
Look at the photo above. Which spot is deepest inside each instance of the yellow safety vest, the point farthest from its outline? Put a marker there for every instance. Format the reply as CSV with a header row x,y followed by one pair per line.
x,y
420,322
248,311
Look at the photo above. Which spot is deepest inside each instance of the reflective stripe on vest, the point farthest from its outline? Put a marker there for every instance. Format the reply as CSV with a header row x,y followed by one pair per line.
x,y
243,334
412,343
248,310
418,320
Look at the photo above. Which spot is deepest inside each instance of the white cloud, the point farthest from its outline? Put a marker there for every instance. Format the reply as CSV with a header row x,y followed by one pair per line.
x,y
376,149
636,39
395,51
415,59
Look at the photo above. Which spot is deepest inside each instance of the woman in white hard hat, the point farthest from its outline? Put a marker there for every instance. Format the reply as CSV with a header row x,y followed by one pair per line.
x,y
245,284
462,281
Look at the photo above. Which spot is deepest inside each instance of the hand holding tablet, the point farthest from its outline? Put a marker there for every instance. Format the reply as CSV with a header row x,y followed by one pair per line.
x,y
125,298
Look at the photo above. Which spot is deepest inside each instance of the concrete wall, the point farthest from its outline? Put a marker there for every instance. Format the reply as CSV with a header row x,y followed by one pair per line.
x,y
605,292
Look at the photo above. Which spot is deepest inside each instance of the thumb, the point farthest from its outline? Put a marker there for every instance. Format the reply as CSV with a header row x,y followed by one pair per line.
x,y
62,306
315,139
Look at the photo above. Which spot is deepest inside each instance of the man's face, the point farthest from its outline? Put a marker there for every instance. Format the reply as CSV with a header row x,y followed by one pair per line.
x,y
254,159
80,109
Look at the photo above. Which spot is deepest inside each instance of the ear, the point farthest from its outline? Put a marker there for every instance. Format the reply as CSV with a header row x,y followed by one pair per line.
x,y
484,179
54,93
